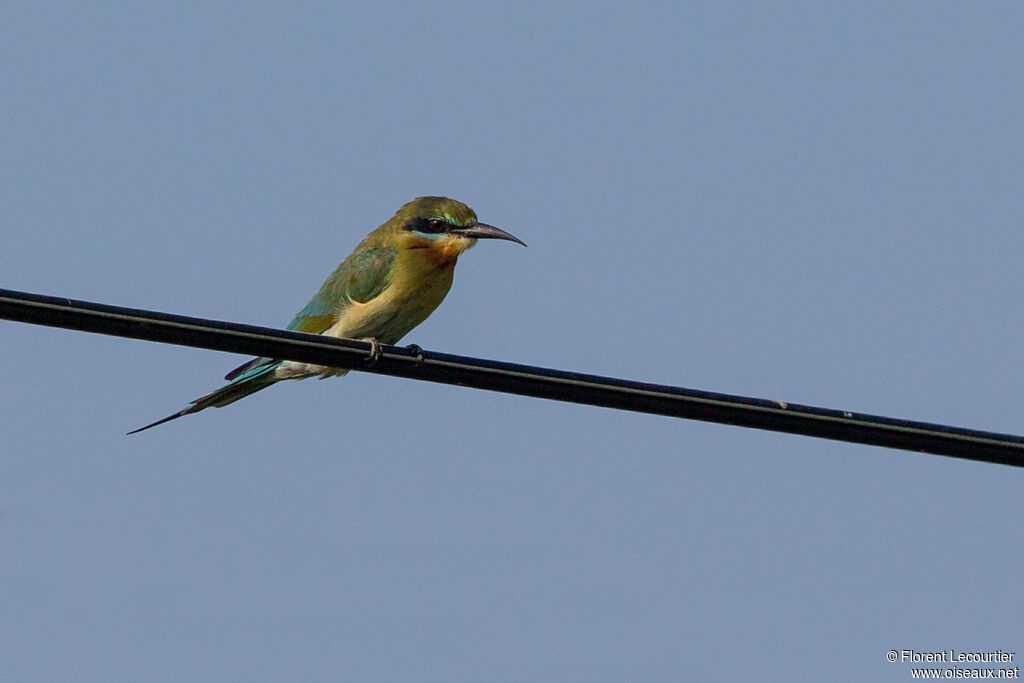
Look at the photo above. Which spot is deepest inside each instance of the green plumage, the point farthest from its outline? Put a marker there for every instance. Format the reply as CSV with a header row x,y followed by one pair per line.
x,y
389,284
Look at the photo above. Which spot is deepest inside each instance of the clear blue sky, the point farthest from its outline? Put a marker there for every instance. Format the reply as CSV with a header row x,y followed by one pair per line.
x,y
810,202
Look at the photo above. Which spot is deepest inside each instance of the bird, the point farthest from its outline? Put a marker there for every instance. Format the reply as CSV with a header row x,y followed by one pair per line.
x,y
388,285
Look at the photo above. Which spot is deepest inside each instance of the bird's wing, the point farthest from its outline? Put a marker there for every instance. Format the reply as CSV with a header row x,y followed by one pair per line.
x,y
359,278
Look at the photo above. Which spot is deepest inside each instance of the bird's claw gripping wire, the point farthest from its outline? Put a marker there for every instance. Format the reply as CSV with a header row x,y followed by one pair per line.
x,y
415,348
375,353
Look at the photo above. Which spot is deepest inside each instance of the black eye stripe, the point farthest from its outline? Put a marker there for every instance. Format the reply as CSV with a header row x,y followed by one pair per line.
x,y
428,225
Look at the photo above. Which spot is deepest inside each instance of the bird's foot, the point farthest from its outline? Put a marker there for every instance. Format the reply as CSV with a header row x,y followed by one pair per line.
x,y
375,352
415,348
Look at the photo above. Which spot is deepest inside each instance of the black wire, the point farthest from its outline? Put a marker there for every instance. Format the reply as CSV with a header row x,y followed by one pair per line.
x,y
525,380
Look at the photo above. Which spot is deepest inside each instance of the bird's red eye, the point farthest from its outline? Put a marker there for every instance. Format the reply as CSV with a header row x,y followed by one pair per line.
x,y
428,226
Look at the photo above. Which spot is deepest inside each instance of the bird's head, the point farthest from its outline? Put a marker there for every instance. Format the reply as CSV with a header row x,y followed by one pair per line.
x,y
444,226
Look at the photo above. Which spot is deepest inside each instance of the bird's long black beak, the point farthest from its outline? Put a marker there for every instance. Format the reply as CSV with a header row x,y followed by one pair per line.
x,y
484,231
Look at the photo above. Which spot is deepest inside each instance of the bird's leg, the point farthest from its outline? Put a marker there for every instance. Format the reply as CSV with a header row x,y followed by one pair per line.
x,y
375,352
415,348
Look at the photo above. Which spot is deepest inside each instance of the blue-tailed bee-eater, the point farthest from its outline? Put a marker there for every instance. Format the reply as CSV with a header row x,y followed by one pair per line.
x,y
393,280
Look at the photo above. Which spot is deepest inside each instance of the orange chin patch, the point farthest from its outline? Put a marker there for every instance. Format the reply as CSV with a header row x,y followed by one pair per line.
x,y
445,250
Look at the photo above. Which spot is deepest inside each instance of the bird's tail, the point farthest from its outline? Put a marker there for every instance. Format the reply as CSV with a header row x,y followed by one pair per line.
x,y
259,375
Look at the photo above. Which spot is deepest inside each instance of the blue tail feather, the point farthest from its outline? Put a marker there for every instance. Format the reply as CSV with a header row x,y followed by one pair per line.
x,y
248,379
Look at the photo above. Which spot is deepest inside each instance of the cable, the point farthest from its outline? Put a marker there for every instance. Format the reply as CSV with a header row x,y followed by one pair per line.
x,y
414,363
